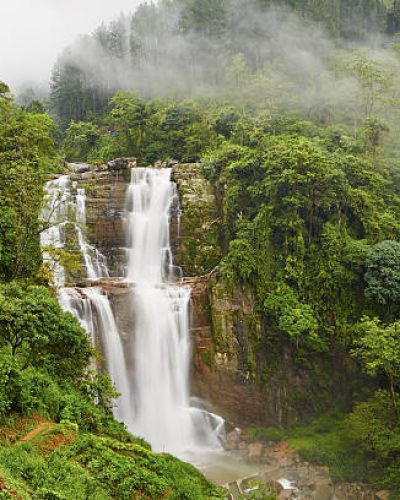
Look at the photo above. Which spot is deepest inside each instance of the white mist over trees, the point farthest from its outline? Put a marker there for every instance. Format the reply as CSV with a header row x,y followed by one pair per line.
x,y
186,48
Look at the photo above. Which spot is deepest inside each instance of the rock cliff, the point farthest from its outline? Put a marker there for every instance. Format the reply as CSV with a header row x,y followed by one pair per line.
x,y
243,377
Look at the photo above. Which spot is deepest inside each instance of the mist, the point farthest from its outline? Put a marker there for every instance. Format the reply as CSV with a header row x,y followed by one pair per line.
x,y
33,33
250,52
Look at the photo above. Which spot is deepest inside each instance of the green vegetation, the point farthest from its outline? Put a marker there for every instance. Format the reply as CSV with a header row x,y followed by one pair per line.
x,y
59,461
185,47
308,221
26,151
356,447
297,136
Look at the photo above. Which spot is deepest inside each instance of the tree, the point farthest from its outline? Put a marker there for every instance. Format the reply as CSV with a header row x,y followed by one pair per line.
x,y
374,131
208,17
4,89
26,151
128,113
80,138
383,273
34,326
293,317
238,73
379,349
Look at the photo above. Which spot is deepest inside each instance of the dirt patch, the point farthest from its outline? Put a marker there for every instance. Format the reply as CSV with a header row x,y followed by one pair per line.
x,y
53,441
12,433
3,487
34,432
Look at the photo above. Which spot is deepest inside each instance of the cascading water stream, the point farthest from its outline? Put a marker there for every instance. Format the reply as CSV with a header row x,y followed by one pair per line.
x,y
162,349
54,217
61,205
95,262
90,306
107,330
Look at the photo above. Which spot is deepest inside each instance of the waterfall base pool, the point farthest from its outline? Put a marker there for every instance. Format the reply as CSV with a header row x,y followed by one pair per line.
x,y
222,467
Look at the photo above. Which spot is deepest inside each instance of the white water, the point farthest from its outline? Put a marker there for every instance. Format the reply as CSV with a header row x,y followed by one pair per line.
x,y
55,215
162,348
112,345
63,209
95,262
71,301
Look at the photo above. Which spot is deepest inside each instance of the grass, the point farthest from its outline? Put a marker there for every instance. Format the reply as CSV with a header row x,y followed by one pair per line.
x,y
59,463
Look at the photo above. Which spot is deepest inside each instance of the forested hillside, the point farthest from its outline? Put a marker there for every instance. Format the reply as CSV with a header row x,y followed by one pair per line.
x,y
187,48
293,110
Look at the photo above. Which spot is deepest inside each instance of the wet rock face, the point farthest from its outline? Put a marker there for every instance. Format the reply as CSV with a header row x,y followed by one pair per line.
x,y
228,361
105,189
121,164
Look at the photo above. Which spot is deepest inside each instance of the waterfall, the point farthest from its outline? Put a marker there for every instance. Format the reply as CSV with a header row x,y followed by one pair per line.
x,y
62,209
95,262
162,349
114,351
150,366
71,301
54,216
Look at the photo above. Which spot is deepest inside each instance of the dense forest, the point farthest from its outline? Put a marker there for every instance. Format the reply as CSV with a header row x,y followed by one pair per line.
x,y
293,110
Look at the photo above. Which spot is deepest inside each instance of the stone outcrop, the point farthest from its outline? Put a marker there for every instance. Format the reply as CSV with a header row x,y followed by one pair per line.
x,y
290,477
198,250
105,189
121,164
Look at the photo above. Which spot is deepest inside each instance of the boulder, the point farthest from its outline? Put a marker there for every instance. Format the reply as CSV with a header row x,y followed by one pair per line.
x,y
323,489
255,452
383,494
78,168
354,491
232,440
121,164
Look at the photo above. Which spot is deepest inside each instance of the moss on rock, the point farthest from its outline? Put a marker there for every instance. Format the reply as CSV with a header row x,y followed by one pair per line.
x,y
198,250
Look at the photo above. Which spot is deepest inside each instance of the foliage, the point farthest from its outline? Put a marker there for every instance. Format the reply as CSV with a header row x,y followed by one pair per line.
x,y
186,46
382,273
327,440
378,348
258,491
80,138
62,463
374,430
293,317
32,320
26,149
